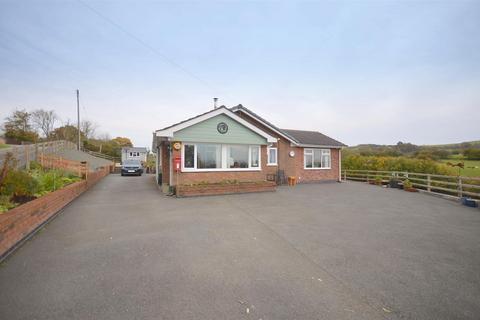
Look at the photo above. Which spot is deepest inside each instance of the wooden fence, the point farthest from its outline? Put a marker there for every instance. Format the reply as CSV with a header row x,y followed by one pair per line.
x,y
55,162
31,152
456,186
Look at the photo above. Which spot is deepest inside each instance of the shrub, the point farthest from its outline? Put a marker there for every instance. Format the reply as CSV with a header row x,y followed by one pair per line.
x,y
407,184
357,162
19,183
35,165
20,186
6,204
52,180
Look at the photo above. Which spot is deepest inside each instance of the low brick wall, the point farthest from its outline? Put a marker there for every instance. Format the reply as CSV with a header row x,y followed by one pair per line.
x,y
20,222
219,189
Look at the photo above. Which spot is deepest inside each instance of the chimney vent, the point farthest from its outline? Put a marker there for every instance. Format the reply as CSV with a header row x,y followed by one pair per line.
x,y
215,103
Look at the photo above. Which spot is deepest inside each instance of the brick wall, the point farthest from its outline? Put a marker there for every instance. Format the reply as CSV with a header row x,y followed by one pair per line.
x,y
218,189
18,223
165,164
293,166
316,175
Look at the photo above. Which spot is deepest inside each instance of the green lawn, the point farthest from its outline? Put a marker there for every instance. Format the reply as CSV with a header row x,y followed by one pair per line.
x,y
472,167
3,146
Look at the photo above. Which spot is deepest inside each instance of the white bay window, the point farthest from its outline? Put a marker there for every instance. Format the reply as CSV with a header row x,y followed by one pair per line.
x,y
317,158
220,157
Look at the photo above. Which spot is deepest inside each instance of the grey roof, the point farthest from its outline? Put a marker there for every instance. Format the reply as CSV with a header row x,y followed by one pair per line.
x,y
254,115
296,136
135,149
313,138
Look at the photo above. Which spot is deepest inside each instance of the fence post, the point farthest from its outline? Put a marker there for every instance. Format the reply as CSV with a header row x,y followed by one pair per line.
x,y
36,152
345,175
27,157
429,189
460,188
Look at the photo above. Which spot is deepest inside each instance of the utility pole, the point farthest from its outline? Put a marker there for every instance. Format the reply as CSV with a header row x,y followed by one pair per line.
x,y
78,119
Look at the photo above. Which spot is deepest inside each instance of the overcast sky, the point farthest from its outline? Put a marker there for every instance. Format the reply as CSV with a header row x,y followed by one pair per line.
x,y
361,72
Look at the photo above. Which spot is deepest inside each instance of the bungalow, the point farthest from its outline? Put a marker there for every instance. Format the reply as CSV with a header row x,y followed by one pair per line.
x,y
236,150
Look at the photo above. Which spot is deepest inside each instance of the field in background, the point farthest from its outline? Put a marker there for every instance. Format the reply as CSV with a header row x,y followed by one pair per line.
x,y
415,158
472,167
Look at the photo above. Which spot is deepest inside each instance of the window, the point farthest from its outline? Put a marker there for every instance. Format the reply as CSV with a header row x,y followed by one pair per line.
x,y
221,157
317,159
189,156
209,156
272,156
255,156
237,156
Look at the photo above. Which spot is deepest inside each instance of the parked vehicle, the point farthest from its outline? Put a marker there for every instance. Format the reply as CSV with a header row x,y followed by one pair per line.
x,y
132,167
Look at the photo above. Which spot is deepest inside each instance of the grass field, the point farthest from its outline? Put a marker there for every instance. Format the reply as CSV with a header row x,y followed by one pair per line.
x,y
472,167
3,146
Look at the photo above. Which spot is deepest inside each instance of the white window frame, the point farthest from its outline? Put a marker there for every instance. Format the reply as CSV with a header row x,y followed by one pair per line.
x,y
269,163
311,152
224,166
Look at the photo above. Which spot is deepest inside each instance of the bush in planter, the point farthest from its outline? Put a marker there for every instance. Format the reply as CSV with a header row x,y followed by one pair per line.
x,y
6,204
52,180
19,185
408,186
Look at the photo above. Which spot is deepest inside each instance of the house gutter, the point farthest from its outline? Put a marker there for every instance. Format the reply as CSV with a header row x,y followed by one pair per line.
x,y
314,146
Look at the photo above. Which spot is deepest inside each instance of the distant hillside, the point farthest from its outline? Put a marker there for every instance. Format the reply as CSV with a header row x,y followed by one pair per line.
x,y
468,149
461,145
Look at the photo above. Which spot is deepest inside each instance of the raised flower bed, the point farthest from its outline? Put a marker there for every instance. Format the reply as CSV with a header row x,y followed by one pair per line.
x,y
19,223
224,187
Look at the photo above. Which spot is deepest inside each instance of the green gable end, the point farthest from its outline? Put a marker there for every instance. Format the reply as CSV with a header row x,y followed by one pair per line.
x,y
206,131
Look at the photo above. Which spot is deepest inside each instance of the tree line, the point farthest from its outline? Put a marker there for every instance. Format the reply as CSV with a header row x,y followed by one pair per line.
x,y
466,150
40,125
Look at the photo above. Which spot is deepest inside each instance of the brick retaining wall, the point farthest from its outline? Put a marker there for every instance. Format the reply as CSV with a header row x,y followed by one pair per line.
x,y
219,188
20,222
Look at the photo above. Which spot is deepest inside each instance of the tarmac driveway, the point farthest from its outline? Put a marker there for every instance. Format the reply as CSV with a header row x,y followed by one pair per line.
x,y
329,251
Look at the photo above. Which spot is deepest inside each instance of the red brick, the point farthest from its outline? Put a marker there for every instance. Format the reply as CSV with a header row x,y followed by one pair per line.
x,y
19,222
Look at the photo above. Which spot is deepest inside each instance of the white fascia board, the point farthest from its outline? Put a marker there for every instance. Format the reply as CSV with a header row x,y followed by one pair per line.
x,y
314,146
170,131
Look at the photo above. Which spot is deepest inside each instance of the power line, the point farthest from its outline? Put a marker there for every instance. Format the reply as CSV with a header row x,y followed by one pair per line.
x,y
146,45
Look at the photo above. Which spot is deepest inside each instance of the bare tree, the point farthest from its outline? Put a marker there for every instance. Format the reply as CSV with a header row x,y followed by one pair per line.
x,y
104,137
88,128
44,120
